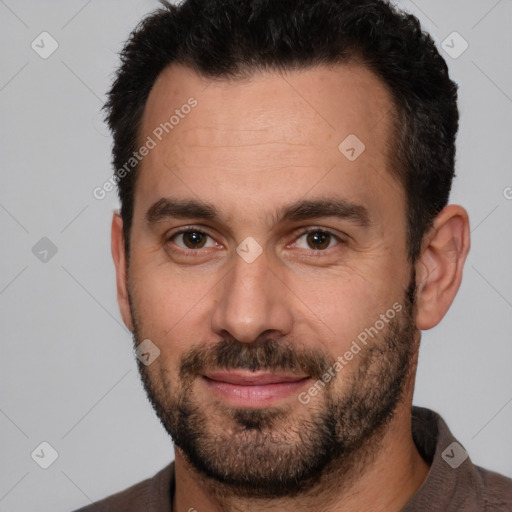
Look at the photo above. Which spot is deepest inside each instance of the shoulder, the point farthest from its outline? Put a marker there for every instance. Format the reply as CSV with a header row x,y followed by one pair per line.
x,y
497,490
126,500
145,495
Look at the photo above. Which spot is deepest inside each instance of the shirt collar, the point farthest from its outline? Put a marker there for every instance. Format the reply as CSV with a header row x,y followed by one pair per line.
x,y
452,478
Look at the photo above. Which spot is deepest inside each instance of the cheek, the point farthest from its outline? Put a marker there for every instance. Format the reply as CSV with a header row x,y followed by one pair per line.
x,y
170,309
342,304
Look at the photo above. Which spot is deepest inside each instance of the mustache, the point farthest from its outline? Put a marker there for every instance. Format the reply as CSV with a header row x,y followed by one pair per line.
x,y
269,355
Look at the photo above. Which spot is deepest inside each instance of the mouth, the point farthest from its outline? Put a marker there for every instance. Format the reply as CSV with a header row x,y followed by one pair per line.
x,y
253,389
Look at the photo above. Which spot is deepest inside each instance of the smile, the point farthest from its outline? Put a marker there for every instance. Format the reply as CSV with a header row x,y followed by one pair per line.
x,y
253,389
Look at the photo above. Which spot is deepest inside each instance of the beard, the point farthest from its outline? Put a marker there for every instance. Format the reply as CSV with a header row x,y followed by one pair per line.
x,y
286,450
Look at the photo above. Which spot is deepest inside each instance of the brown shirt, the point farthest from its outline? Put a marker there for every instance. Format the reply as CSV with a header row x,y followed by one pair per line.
x,y
453,483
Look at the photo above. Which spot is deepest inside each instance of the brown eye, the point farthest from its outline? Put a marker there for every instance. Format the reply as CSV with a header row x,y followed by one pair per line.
x,y
318,240
194,240
190,239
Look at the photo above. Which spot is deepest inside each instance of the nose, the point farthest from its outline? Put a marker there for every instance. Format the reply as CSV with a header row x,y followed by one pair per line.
x,y
251,300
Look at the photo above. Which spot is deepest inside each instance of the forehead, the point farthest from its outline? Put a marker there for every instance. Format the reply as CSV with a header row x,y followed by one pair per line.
x,y
267,131
274,103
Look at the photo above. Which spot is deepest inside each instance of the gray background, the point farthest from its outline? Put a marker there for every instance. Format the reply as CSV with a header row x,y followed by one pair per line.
x,y
67,370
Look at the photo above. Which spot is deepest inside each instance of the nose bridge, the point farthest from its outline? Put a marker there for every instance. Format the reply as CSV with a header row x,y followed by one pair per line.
x,y
251,300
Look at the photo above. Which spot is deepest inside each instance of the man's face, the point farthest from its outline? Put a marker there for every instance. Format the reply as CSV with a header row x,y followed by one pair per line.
x,y
254,299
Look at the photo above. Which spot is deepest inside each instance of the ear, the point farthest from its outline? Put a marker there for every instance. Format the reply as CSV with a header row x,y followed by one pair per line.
x,y
439,267
119,256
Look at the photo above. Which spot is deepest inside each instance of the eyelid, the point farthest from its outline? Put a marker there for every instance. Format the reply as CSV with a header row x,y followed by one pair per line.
x,y
186,229
313,229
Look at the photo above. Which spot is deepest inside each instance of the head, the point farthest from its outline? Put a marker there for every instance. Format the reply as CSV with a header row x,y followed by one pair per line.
x,y
289,209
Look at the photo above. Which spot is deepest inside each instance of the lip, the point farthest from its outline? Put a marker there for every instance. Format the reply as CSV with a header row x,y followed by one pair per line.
x,y
253,389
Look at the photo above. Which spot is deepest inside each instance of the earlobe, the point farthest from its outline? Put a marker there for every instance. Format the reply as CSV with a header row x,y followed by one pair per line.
x,y
440,265
119,256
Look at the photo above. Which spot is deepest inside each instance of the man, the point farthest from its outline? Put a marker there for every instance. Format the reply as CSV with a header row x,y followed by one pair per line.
x,y
284,170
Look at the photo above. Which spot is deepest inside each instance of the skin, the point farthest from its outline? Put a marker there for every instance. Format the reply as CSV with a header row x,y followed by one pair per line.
x,y
249,148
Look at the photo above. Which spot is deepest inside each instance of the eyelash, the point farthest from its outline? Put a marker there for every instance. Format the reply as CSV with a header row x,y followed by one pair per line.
x,y
302,232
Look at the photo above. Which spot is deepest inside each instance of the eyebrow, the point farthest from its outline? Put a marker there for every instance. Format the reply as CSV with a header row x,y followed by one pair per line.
x,y
168,208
